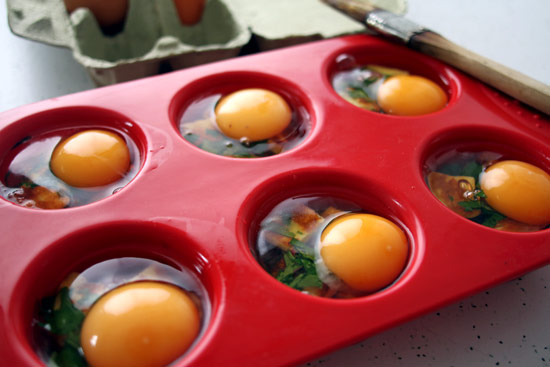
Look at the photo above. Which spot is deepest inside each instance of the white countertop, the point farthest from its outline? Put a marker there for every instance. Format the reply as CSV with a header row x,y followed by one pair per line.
x,y
505,326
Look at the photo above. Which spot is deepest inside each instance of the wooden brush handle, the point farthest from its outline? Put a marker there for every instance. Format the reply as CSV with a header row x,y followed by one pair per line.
x,y
511,82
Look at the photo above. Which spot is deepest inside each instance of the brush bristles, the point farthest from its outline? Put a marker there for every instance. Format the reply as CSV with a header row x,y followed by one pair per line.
x,y
354,8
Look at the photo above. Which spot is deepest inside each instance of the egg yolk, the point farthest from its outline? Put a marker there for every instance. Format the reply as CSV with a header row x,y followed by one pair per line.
x,y
518,190
365,251
140,324
410,95
91,158
252,114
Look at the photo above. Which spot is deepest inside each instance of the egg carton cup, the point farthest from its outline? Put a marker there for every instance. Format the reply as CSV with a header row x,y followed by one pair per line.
x,y
190,208
154,39
152,36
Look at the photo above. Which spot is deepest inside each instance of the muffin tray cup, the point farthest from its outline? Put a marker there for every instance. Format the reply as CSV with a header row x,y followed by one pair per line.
x,y
193,209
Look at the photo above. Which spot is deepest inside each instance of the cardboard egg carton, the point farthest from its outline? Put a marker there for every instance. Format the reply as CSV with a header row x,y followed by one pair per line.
x,y
153,38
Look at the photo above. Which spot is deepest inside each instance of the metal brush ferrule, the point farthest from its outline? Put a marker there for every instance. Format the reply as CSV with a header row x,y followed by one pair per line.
x,y
392,25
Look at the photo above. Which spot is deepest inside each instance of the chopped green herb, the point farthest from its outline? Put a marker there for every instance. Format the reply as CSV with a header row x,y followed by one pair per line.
x,y
371,79
287,218
480,194
68,356
493,219
452,169
301,247
28,185
67,318
277,228
472,169
299,272
470,205
291,266
64,321
488,216
304,281
359,93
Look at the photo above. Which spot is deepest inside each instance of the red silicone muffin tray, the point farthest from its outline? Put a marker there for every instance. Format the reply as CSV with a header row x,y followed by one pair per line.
x,y
191,208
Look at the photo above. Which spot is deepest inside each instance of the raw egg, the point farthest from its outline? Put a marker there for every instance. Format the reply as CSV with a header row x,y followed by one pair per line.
x,y
518,190
107,13
410,95
91,158
121,312
189,11
140,324
365,251
253,114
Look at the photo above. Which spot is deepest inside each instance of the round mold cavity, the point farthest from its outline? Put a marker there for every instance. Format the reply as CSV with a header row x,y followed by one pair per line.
x,y
26,146
344,61
467,151
192,115
128,245
315,188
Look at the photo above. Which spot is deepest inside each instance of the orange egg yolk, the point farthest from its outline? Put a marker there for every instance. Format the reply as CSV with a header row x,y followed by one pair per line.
x,y
518,190
410,95
91,158
140,324
365,251
252,114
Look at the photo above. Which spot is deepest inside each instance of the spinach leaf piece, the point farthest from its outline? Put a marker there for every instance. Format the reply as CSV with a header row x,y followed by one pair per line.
x,y
480,194
493,219
302,248
470,205
371,79
299,272
472,169
304,281
291,267
68,357
67,318
488,217
277,228
358,93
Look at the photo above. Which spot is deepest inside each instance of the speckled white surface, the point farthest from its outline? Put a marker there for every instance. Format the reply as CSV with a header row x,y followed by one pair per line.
x,y
507,325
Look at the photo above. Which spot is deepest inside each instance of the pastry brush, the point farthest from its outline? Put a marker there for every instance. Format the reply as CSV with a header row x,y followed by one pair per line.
x,y
509,81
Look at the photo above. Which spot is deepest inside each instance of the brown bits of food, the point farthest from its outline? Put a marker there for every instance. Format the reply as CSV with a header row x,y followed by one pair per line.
x,y
384,70
40,197
279,240
451,190
330,211
514,226
304,219
302,222
305,216
363,103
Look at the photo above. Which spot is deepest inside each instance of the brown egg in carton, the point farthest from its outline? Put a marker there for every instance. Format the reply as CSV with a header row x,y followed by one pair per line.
x,y
154,36
151,38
